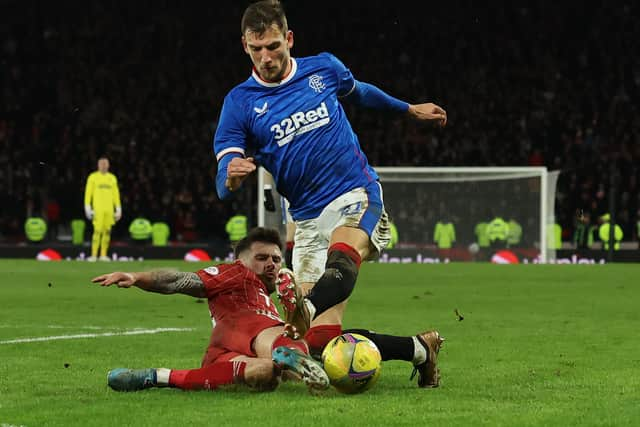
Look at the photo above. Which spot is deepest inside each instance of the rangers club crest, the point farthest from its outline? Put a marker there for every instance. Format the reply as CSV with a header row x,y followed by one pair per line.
x,y
316,83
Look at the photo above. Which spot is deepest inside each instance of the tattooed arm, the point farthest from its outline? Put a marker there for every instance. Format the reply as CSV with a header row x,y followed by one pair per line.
x,y
164,281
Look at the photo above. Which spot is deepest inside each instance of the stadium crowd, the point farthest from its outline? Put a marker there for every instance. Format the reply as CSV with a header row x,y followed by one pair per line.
x,y
554,85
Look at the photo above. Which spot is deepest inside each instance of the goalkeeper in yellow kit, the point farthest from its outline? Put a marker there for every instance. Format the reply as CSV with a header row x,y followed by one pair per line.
x,y
102,205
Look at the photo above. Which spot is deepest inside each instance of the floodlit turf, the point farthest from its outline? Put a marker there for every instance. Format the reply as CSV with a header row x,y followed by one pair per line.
x,y
539,346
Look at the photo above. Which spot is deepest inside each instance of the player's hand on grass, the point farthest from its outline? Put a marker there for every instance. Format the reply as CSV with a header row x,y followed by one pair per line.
x,y
429,112
120,279
237,170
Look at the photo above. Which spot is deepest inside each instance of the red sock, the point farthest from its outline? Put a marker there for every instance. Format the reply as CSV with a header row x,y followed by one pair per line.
x,y
318,336
291,343
208,378
350,251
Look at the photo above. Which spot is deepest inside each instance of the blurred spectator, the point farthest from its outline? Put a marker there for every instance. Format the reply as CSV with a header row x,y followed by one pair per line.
x,y
395,237
160,233
605,230
140,231
35,229
554,236
514,234
444,234
584,231
497,232
236,228
139,81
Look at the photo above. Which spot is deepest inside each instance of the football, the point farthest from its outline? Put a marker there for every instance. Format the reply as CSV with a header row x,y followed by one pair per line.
x,y
352,363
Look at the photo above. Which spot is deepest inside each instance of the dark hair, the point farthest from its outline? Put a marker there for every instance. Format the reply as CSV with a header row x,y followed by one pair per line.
x,y
260,16
258,234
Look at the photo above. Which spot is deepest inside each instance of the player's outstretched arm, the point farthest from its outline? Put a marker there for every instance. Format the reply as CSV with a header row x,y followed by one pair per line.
x,y
370,96
428,112
163,281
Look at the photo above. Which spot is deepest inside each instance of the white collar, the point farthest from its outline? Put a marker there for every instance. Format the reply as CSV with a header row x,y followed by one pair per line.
x,y
294,68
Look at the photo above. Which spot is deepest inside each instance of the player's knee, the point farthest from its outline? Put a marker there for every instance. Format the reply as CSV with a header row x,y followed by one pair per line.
x,y
259,374
345,259
343,263
338,280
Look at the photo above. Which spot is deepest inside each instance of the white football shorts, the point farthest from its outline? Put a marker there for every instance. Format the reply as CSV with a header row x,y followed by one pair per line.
x,y
361,208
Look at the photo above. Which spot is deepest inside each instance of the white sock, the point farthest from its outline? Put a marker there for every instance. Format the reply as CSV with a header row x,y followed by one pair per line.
x,y
311,308
162,376
419,352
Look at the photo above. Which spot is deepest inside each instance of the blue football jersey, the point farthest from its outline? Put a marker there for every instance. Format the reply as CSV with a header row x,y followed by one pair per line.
x,y
298,131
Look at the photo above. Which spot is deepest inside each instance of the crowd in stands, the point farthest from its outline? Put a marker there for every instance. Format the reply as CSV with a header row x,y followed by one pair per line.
x,y
546,84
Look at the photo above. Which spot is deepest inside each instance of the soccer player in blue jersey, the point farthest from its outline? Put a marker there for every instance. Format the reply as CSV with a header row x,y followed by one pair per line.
x,y
287,116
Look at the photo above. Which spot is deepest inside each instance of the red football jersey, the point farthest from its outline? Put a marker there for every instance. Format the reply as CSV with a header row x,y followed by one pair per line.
x,y
239,304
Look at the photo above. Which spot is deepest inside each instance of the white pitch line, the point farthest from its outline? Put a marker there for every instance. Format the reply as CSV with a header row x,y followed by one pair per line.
x,y
105,334
97,328
6,326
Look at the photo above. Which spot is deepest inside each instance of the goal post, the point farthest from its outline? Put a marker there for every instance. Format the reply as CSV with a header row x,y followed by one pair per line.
x,y
277,216
416,198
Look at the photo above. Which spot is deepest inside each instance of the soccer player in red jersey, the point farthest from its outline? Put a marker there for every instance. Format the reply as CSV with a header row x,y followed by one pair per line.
x,y
249,342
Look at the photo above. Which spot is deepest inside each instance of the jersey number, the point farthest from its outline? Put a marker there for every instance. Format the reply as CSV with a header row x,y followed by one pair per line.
x,y
267,300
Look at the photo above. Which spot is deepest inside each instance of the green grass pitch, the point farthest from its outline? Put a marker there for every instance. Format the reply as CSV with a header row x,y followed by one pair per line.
x,y
552,345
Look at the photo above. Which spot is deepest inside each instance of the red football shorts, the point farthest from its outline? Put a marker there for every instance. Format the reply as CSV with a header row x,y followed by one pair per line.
x,y
234,337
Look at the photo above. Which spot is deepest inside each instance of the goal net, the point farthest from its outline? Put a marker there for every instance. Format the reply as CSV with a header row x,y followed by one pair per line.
x,y
418,198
